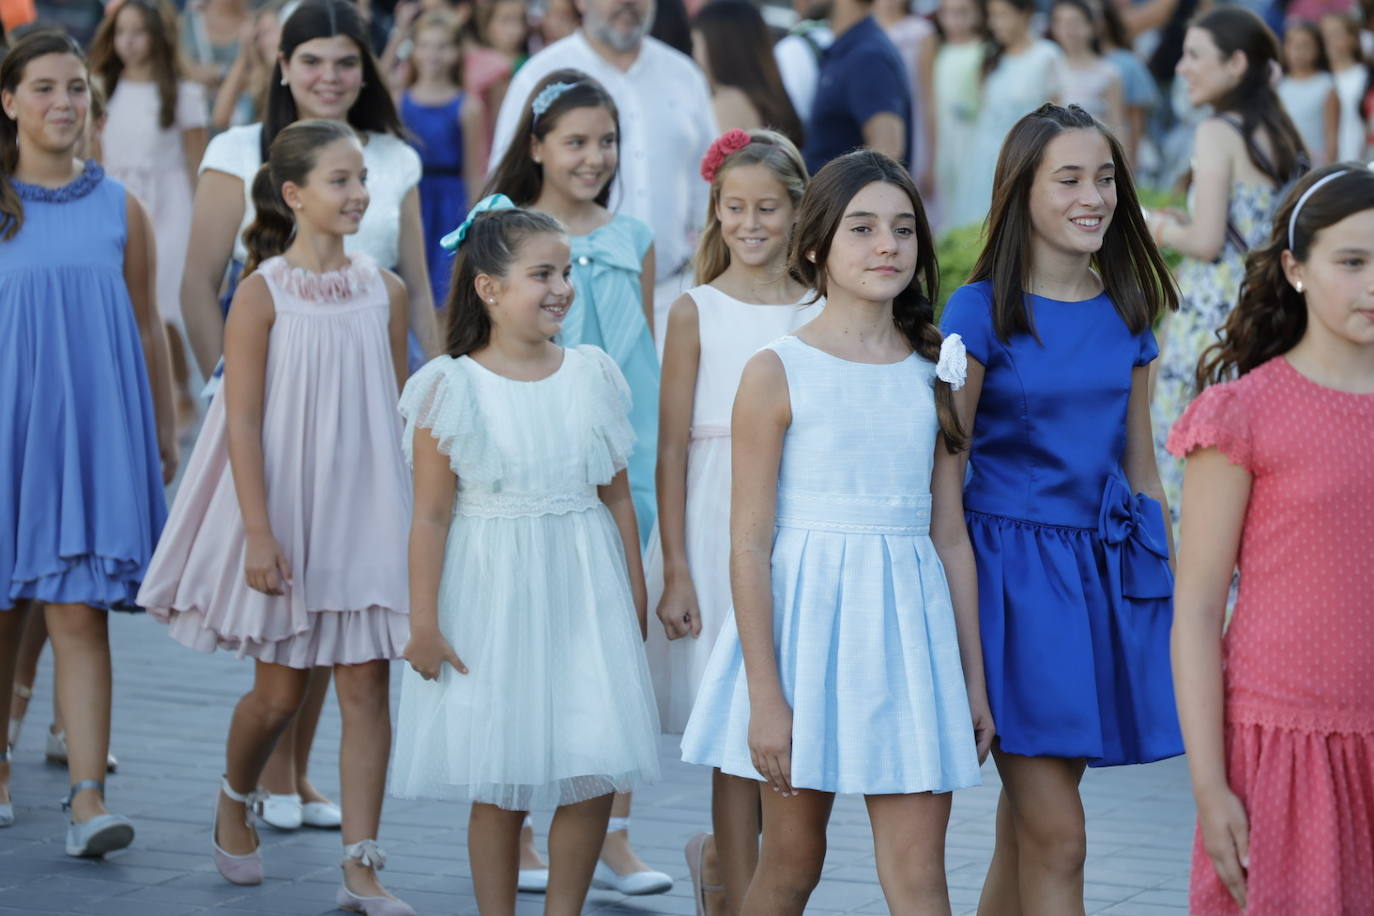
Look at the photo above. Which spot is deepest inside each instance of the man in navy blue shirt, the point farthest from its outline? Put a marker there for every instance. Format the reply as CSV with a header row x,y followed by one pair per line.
x,y
863,97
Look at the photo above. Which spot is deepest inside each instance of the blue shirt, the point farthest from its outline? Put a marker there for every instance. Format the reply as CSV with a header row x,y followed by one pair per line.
x,y
862,75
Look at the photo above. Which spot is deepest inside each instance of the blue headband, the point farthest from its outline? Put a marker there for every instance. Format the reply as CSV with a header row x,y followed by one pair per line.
x,y
492,202
547,97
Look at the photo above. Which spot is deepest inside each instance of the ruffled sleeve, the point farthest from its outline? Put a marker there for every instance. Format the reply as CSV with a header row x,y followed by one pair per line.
x,y
612,438
1218,418
969,314
440,398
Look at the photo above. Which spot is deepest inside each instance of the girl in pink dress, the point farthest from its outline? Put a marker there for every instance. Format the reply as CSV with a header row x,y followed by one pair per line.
x,y
1280,485
287,540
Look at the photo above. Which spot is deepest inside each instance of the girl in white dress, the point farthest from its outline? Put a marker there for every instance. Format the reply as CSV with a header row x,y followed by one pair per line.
x,y
958,64
528,585
744,299
1090,80
1341,40
1308,91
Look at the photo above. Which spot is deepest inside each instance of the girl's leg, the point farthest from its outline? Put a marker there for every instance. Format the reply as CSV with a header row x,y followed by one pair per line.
x,y
909,844
285,773
81,656
616,850
733,853
1000,888
573,838
259,720
793,852
365,746
1046,816
34,637
11,626
530,860
494,856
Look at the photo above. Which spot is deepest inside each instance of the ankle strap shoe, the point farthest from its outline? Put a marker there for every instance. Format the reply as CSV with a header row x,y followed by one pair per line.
x,y
102,834
245,869
368,853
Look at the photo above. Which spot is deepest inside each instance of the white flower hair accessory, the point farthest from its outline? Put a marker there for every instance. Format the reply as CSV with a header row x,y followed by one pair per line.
x,y
953,364
547,96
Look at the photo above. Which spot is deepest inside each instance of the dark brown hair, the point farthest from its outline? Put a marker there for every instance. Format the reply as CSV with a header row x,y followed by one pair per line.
x,y
32,46
993,57
913,311
292,156
492,244
1310,29
159,19
739,52
1270,316
374,108
518,176
1133,273
456,30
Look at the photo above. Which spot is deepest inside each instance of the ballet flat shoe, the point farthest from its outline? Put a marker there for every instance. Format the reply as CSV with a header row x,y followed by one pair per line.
x,y
634,884
532,880
244,870
56,752
99,835
7,814
280,811
321,815
371,906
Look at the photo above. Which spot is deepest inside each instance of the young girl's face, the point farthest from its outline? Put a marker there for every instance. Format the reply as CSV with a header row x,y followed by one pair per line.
x,y
1339,38
132,43
50,103
1073,194
435,53
1338,277
325,75
579,154
532,299
1071,29
1007,24
873,252
334,197
508,26
267,35
1208,74
559,21
1300,50
755,214
959,19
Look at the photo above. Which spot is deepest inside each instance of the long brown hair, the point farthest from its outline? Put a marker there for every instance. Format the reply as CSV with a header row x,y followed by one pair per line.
x,y
913,310
1270,316
739,52
492,244
27,49
769,149
292,157
159,19
1133,273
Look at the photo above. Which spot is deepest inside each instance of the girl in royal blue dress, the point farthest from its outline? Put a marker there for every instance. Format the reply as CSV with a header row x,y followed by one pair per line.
x,y
1063,499
86,431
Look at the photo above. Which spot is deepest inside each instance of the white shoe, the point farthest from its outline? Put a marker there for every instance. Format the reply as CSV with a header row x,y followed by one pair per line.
x,y
281,811
57,752
7,808
533,880
323,815
634,884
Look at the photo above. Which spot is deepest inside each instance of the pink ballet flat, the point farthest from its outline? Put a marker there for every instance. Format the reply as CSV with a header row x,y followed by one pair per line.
x,y
368,853
244,869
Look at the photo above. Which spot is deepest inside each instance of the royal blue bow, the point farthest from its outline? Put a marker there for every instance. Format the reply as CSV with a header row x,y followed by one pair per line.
x,y
490,202
1131,526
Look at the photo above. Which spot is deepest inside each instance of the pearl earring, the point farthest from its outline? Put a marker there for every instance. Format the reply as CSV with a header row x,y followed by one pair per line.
x,y
1298,286
284,82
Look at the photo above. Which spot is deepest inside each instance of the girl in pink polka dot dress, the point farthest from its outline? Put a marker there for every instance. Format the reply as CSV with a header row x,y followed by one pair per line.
x,y
1278,714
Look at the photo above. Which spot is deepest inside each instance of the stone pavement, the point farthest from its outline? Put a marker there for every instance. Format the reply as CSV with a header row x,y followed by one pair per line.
x,y
171,710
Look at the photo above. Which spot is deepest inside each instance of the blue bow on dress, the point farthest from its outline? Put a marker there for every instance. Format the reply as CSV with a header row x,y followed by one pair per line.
x,y
490,202
1131,526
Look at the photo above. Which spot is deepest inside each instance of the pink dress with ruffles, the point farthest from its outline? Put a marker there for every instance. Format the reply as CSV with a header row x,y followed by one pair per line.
x,y
338,491
1299,651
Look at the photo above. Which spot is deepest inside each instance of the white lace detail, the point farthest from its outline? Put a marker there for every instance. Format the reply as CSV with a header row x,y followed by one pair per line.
x,y
367,852
486,504
953,364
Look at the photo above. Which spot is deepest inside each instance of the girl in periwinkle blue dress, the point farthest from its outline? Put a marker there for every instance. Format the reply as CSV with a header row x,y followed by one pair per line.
x,y
846,665
1074,558
83,452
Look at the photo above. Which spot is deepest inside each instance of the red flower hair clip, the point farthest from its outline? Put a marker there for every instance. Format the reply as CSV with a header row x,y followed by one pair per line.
x,y
728,143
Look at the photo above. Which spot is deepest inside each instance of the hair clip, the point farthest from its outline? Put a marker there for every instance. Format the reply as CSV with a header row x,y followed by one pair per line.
x,y
547,96
724,146
491,202
952,366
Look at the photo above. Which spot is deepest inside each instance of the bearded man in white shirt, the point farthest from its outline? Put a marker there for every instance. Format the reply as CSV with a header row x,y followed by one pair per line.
x,y
666,124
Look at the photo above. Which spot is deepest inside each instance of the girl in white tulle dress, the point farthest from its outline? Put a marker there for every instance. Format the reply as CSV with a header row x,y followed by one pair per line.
x,y
530,688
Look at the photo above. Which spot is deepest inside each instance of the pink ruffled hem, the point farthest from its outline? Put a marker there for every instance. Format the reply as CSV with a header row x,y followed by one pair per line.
x,y
333,638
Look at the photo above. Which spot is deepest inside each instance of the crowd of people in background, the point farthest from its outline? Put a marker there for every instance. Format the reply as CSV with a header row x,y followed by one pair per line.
x,y
571,237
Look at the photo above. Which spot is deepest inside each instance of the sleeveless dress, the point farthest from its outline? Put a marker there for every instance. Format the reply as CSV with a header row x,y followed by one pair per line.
x,y
557,706
957,99
863,626
1298,653
1074,585
81,500
730,331
608,313
1207,293
1020,84
329,428
1305,101
438,138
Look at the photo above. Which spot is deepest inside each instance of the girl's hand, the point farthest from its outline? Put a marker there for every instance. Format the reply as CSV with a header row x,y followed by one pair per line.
x,y
983,727
678,611
427,651
265,566
770,743
170,454
1226,837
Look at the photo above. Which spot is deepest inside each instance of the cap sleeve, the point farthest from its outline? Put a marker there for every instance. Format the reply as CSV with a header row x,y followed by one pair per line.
x,y
1149,347
1218,418
440,398
191,107
969,314
639,233
234,152
612,437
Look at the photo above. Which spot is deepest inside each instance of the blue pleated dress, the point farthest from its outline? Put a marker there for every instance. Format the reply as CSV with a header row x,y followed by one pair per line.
x,y
863,626
81,498
438,138
1074,585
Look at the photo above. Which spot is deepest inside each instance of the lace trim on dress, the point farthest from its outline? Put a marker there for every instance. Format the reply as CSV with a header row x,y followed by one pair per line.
x,y
339,285
75,189
608,415
439,397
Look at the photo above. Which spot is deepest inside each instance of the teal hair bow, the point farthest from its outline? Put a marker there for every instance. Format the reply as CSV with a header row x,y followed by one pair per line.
x,y
490,202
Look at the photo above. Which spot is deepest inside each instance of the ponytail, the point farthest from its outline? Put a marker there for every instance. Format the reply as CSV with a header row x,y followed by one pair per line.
x,y
273,224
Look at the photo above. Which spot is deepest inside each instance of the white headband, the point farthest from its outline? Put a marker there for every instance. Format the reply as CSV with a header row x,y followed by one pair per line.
x,y
1293,220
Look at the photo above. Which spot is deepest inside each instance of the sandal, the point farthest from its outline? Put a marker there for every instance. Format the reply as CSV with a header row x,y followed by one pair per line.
x,y
695,852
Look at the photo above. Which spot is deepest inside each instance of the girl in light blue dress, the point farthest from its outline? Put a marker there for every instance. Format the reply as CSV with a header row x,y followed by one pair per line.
x,y
850,663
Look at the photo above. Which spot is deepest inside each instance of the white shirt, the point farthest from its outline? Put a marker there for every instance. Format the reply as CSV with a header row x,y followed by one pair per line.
x,y
666,124
800,67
